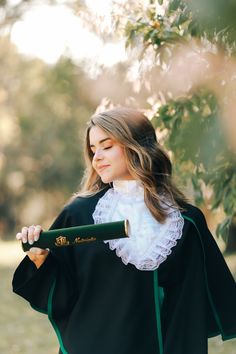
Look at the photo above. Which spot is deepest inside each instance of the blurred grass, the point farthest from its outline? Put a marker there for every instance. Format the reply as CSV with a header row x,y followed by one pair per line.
x,y
25,331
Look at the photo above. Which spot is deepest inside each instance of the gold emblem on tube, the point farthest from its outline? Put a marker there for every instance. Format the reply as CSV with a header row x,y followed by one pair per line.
x,y
61,241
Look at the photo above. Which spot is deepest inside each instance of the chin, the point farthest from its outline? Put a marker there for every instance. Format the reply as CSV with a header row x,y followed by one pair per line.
x,y
106,179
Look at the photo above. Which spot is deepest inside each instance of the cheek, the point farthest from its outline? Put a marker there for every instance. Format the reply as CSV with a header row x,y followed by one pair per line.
x,y
119,158
117,155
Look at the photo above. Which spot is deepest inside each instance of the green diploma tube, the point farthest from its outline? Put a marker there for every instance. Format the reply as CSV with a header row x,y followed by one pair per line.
x,y
80,234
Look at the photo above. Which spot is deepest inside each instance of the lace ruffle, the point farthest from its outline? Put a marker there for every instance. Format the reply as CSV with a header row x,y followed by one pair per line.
x,y
150,242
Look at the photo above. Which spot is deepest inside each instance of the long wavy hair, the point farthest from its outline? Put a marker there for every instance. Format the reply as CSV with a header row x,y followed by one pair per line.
x,y
145,157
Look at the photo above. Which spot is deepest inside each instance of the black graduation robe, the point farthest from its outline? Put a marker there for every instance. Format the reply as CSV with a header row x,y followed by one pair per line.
x,y
98,305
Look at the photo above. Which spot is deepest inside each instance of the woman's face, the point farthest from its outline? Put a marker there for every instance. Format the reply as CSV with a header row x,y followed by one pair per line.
x,y
108,156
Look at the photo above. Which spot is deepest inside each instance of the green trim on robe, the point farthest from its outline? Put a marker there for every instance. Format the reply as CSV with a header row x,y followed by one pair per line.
x,y
157,298
50,296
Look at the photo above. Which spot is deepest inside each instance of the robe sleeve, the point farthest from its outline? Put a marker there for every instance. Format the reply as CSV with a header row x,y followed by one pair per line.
x,y
199,291
183,313
220,284
54,279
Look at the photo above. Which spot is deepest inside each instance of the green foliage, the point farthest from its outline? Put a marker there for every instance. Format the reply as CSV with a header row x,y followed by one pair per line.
x,y
190,122
200,150
216,18
157,30
183,20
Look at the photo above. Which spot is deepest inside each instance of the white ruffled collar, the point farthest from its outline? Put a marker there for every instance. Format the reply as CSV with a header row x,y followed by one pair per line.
x,y
150,242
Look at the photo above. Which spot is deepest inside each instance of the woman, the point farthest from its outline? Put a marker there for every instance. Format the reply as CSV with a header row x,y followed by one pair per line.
x,y
165,290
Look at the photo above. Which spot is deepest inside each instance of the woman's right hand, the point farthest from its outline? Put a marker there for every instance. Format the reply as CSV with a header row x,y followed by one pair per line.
x,y
31,234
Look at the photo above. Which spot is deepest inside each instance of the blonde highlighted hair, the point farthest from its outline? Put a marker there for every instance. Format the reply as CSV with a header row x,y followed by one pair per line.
x,y
146,159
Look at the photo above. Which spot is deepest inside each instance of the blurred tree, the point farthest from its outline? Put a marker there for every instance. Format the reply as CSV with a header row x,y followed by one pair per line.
x,y
43,113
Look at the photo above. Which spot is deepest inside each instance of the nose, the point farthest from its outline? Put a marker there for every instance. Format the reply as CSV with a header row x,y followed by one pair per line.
x,y
97,155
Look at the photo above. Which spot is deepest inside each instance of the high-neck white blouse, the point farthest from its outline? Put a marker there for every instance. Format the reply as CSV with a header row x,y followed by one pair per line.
x,y
149,242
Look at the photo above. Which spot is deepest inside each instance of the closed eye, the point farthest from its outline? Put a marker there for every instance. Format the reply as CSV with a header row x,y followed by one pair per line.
x,y
106,148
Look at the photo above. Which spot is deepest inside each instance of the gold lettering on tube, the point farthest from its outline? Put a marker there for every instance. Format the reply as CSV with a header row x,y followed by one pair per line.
x,y
80,240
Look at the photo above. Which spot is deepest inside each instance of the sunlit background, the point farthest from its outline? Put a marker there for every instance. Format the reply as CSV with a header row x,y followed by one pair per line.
x,y
47,32
63,60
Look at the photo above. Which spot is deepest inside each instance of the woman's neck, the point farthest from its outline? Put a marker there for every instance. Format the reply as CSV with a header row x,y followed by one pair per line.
x,y
127,186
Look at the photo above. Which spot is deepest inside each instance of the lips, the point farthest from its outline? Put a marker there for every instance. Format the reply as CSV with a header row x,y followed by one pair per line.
x,y
101,168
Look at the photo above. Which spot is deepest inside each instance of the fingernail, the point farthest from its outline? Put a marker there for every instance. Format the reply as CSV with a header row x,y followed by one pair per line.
x,y
31,242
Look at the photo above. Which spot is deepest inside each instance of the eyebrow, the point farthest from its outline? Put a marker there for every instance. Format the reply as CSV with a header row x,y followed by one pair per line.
x,y
101,141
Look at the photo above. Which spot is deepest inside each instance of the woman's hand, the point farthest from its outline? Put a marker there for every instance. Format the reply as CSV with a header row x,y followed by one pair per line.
x,y
31,234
